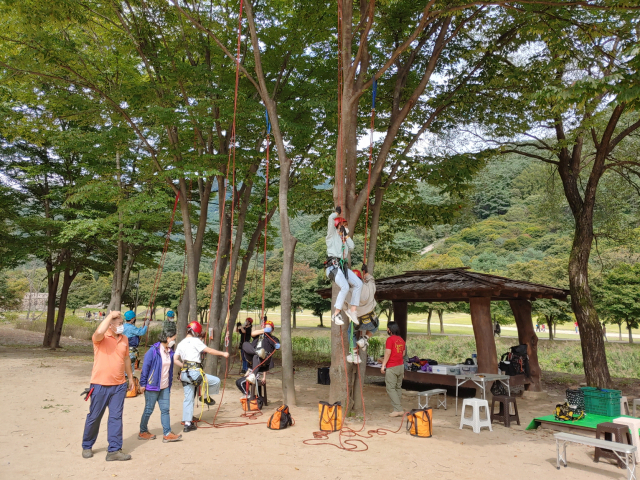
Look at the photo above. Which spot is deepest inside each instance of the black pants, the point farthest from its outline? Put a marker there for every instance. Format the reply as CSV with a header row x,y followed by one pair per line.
x,y
250,352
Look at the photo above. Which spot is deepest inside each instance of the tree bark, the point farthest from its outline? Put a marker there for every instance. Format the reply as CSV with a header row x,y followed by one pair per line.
x,y
429,322
375,228
52,292
483,332
440,316
526,335
67,280
630,332
620,331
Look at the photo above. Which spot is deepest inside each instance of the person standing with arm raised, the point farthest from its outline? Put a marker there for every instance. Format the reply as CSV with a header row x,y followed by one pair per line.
x,y
108,386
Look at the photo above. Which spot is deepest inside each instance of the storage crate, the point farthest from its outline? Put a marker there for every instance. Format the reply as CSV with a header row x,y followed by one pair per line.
x,y
602,402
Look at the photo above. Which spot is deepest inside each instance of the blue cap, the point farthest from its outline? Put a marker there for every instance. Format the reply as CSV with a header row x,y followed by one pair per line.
x,y
130,315
170,314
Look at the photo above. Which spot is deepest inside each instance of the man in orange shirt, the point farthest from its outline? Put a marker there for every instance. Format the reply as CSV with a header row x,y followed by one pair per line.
x,y
108,386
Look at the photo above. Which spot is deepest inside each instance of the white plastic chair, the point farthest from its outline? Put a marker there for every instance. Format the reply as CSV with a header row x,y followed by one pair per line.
x,y
475,421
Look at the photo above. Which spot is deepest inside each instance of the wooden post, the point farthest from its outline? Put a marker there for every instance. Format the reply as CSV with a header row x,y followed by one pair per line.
x,y
526,334
483,331
400,317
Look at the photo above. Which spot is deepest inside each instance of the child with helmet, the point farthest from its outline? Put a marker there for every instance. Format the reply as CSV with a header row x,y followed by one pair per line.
x,y
366,314
189,357
260,350
133,333
245,334
171,316
339,244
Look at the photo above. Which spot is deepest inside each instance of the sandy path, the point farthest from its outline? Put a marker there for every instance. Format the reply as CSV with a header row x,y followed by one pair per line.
x,y
43,418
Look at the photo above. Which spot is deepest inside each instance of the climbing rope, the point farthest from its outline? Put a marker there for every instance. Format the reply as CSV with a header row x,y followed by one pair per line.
x,y
266,216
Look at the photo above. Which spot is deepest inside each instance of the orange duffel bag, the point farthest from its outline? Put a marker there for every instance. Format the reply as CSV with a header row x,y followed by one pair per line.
x,y
330,416
420,422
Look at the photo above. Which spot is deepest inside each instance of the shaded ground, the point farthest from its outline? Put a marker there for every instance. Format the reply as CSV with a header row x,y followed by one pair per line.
x,y
43,417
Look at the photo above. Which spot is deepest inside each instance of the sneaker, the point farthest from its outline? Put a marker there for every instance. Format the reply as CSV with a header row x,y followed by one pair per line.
x,y
171,437
146,436
193,420
363,343
354,358
208,400
337,319
190,428
87,453
353,316
117,456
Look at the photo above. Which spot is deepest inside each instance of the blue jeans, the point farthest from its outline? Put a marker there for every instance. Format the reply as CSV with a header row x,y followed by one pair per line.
x,y
111,396
163,397
344,283
190,391
245,363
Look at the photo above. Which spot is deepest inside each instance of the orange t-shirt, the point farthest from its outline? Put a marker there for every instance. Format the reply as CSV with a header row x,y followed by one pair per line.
x,y
108,359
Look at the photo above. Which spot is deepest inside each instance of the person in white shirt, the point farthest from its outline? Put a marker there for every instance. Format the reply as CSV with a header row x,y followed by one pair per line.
x,y
188,358
339,244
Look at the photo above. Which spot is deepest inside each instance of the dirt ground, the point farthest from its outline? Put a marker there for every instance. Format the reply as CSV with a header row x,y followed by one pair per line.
x,y
43,418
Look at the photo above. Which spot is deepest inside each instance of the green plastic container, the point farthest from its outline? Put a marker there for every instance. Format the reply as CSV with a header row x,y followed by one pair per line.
x,y
602,402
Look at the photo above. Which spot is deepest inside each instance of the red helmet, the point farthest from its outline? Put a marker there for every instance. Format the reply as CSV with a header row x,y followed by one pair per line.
x,y
270,323
358,274
195,327
249,319
339,221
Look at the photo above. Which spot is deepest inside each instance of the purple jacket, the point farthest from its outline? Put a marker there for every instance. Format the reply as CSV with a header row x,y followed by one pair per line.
x,y
152,369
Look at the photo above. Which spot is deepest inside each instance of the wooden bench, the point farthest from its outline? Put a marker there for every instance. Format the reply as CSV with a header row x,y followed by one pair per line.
x,y
624,452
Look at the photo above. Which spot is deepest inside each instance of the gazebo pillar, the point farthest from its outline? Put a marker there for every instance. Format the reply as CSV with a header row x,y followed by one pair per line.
x,y
400,316
526,334
483,331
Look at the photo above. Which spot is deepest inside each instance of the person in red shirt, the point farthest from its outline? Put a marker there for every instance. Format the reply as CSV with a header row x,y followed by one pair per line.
x,y
393,367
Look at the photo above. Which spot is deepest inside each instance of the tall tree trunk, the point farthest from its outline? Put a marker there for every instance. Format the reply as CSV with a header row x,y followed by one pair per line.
x,y
294,308
630,332
596,368
440,316
550,325
321,321
620,331
116,289
52,291
67,279
429,322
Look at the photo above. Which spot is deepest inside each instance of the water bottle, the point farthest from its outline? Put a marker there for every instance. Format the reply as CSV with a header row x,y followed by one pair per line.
x,y
474,357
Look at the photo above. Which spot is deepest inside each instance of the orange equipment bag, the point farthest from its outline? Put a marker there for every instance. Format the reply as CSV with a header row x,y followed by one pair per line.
x,y
251,404
136,389
420,422
280,419
330,416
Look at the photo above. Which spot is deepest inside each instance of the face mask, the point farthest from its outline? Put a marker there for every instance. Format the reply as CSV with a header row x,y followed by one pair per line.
x,y
268,329
119,329
171,343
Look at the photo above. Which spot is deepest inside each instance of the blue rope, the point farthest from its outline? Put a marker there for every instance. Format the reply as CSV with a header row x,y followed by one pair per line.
x,y
373,95
266,114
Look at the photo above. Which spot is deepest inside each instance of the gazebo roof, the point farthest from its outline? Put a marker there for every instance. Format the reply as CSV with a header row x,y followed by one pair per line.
x,y
457,285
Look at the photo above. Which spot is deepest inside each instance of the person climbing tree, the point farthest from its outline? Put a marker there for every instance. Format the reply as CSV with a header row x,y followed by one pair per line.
x,y
366,315
339,244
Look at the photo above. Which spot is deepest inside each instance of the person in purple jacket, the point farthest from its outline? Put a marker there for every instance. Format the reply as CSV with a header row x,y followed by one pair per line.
x,y
155,382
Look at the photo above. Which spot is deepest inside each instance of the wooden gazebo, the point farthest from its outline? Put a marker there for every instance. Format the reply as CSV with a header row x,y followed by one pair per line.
x,y
479,289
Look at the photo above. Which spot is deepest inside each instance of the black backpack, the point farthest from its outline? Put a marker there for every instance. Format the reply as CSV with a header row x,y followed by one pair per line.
x,y
323,376
515,361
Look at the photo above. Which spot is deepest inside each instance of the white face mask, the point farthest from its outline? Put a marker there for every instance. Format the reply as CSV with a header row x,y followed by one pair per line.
x,y
119,329
346,230
171,343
